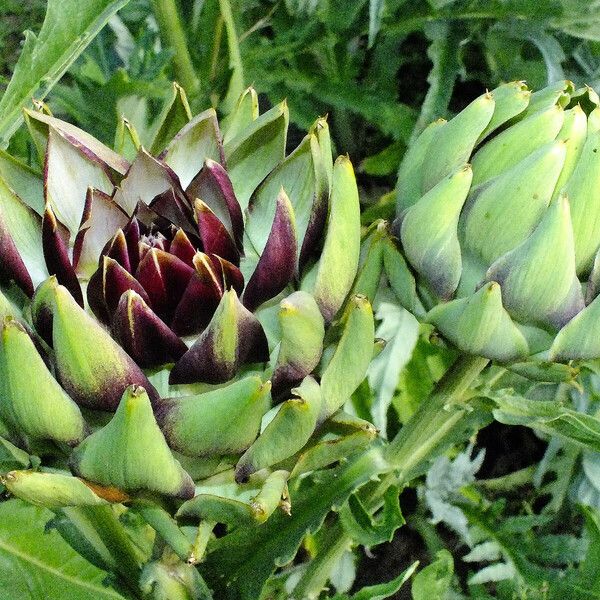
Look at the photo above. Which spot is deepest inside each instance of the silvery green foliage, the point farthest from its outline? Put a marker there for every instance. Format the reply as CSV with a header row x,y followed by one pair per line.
x,y
586,486
443,483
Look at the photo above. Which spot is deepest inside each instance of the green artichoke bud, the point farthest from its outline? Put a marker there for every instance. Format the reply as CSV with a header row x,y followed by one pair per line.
x,y
52,490
498,238
130,450
302,333
172,307
51,414
200,425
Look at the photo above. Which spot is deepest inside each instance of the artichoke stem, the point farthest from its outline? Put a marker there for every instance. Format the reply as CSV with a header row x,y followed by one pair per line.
x,y
103,532
414,445
236,84
173,35
434,418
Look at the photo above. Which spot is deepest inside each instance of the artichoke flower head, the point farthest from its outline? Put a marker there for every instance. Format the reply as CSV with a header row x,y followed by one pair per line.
x,y
498,227
164,311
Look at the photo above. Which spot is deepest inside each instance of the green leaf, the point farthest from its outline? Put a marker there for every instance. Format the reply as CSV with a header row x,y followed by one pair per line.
x,y
53,570
400,330
69,26
376,10
366,530
432,582
385,590
385,162
12,457
588,572
443,53
239,564
549,417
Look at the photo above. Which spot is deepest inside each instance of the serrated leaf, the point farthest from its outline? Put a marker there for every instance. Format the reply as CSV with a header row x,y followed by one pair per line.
x,y
433,582
400,330
366,530
69,26
549,417
385,590
54,571
239,564
495,572
485,552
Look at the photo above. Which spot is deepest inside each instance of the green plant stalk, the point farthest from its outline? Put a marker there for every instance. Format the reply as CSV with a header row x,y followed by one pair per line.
x,y
427,428
99,525
173,35
416,443
236,85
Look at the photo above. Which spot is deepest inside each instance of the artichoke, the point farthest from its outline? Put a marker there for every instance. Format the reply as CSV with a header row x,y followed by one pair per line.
x,y
497,234
180,322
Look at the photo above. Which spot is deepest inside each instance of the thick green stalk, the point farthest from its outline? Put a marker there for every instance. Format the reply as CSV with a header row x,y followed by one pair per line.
x,y
236,85
173,35
434,418
99,528
416,444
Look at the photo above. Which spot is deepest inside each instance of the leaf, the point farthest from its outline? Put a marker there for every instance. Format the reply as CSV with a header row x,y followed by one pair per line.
x,y
239,564
12,457
34,564
381,590
344,572
432,582
549,417
495,572
366,530
427,365
376,9
385,162
443,53
560,459
588,573
485,552
69,26
444,481
400,330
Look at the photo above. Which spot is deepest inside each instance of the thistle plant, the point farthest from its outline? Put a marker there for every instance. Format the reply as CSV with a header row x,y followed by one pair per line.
x,y
180,329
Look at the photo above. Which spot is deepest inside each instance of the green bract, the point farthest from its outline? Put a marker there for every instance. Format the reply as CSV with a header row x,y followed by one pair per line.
x,y
498,228
164,315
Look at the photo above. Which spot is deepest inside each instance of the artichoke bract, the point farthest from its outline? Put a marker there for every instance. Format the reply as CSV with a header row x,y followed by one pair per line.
x,y
497,234
164,313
